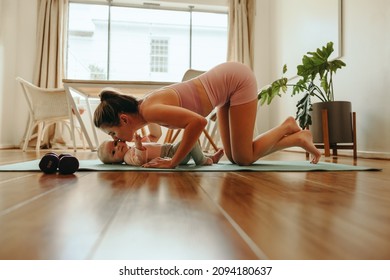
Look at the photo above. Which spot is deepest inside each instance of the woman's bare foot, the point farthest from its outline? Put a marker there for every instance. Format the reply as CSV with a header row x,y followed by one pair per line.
x,y
291,126
307,144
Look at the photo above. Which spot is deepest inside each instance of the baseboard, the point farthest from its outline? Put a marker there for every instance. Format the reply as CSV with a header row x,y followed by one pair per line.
x,y
7,147
373,155
31,148
360,154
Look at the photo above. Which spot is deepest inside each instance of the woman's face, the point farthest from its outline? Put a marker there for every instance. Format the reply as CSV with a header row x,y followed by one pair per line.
x,y
123,132
120,133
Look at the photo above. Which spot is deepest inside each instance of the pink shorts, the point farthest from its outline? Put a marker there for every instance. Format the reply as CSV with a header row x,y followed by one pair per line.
x,y
230,82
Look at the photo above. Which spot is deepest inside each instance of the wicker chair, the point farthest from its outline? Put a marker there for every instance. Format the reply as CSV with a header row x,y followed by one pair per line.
x,y
46,107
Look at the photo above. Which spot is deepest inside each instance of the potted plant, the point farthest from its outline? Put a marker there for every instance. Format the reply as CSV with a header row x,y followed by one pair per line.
x,y
315,79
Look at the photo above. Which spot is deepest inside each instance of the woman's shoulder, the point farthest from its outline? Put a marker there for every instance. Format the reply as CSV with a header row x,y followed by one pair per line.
x,y
161,96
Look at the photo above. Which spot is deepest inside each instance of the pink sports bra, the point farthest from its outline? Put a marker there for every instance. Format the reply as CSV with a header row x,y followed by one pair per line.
x,y
188,95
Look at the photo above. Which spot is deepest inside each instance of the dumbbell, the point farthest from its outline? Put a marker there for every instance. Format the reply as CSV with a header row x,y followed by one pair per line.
x,y
68,164
49,163
64,163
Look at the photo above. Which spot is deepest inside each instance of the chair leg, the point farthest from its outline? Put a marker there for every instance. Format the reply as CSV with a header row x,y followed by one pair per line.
x,y
171,135
177,132
205,143
72,130
214,134
40,134
82,137
28,135
168,136
210,139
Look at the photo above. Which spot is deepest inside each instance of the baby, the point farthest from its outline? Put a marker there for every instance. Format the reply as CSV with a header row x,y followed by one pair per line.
x,y
142,152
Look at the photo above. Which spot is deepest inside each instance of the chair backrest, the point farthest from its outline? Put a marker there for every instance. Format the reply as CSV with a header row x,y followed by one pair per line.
x,y
190,74
45,103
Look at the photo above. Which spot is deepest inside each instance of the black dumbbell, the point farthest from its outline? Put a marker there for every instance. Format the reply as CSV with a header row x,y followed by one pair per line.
x,y
64,163
49,163
68,164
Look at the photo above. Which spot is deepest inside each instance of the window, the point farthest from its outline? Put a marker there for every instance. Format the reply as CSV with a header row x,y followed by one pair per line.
x,y
110,42
159,55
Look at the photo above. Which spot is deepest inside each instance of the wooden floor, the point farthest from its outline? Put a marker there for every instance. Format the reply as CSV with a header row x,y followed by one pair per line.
x,y
176,215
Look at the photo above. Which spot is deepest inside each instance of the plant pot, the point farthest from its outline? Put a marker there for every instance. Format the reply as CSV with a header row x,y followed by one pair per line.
x,y
339,122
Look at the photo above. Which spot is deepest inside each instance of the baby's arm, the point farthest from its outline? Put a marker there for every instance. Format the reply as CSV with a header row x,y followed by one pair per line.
x,y
138,141
138,154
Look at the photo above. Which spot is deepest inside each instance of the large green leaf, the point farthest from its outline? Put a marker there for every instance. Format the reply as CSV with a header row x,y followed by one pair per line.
x,y
267,95
303,111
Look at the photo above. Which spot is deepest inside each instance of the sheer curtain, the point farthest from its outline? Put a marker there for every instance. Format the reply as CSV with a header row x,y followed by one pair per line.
x,y
49,66
240,42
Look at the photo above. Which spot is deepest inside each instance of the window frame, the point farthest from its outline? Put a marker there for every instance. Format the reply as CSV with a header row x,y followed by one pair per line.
x,y
173,6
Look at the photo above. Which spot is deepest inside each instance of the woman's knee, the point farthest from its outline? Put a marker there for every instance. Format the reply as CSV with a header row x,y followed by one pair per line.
x,y
243,160
229,156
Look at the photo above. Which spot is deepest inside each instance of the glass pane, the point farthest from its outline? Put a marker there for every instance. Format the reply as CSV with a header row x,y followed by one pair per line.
x,y
87,42
133,50
159,53
144,44
209,40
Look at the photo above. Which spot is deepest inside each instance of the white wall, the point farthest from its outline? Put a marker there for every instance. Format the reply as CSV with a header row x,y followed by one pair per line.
x,y
365,81
17,49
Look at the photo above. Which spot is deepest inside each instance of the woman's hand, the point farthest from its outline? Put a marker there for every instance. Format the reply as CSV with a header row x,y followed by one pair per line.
x,y
159,163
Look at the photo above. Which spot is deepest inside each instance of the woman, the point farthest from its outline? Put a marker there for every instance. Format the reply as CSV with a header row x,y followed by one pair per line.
x,y
231,88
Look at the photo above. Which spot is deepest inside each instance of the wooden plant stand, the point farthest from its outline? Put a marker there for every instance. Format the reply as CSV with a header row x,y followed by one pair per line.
x,y
335,146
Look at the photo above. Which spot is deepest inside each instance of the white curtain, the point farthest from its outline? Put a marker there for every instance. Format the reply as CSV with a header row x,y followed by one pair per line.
x,y
240,38
51,28
49,65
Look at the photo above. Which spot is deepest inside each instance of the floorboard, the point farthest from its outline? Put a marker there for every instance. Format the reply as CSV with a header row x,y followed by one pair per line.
x,y
194,215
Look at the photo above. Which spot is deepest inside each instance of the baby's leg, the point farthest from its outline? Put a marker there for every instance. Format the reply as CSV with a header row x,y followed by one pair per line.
x,y
169,150
197,155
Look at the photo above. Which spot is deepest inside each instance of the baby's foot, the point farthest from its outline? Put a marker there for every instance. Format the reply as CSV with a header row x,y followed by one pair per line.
x,y
217,156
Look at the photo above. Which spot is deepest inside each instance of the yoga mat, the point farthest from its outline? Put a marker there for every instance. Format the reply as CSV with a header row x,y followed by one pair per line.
x,y
259,166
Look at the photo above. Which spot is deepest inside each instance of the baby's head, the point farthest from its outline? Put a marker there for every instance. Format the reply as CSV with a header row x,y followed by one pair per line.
x,y
111,151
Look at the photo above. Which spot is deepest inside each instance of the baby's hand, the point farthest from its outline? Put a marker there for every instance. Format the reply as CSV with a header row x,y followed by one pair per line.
x,y
137,141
